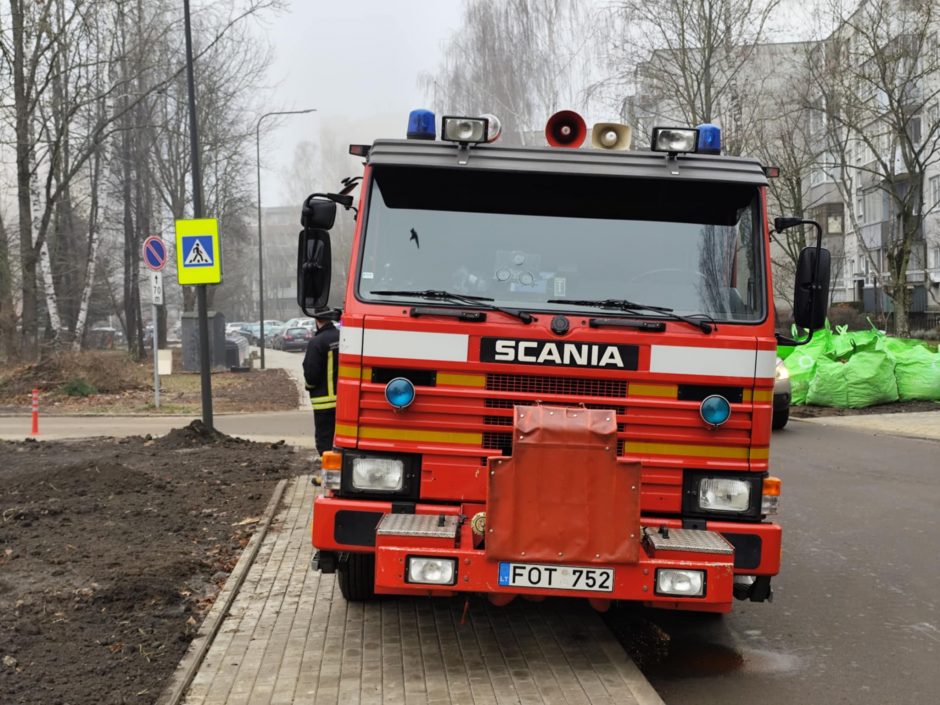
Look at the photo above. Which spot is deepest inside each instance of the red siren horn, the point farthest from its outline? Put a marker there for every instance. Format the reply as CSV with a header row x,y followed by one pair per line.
x,y
565,129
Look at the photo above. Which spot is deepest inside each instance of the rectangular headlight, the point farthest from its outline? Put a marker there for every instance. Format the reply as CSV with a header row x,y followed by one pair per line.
x,y
378,474
432,571
681,583
674,139
464,129
724,494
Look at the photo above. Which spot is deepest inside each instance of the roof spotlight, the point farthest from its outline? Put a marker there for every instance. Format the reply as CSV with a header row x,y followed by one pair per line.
x,y
465,130
674,140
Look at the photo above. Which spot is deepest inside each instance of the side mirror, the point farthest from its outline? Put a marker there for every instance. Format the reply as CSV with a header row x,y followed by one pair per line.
x,y
811,293
318,213
313,269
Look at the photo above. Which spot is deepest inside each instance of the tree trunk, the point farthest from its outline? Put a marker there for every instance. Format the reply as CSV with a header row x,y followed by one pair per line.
x,y
94,238
8,346
24,207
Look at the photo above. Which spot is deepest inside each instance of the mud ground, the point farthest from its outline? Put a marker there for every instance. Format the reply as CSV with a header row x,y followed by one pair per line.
x,y
111,553
898,407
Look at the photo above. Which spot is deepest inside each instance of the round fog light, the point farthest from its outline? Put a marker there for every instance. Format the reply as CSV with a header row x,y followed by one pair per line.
x,y
715,410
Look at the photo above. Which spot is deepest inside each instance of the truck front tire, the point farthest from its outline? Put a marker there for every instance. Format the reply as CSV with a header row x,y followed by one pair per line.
x,y
356,575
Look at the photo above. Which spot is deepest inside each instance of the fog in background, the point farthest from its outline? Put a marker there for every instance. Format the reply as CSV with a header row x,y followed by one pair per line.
x,y
358,64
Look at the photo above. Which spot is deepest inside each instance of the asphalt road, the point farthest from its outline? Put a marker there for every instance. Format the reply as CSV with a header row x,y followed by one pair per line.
x,y
856,614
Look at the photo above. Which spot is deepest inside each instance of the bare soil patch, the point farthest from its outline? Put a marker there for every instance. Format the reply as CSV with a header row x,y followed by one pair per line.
x,y
898,407
110,382
111,553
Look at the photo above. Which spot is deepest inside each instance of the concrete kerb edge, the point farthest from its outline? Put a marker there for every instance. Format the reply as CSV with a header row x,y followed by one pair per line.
x,y
196,653
641,688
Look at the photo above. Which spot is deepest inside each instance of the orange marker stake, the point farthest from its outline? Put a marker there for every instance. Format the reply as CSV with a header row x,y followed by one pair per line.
x,y
35,431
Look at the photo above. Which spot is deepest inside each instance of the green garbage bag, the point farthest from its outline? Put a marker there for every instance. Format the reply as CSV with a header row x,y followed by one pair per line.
x,y
866,379
897,347
842,342
801,364
917,371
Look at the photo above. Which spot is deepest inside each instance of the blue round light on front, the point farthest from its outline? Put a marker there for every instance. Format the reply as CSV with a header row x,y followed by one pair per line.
x,y
400,392
715,410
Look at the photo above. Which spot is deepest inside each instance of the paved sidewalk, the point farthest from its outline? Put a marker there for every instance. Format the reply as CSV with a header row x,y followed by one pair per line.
x,y
294,427
919,424
291,638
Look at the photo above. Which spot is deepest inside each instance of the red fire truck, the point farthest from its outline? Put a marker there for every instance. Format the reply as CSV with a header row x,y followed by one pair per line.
x,y
556,368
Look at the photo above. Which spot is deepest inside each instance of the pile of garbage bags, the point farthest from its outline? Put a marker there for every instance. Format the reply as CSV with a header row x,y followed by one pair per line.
x,y
855,369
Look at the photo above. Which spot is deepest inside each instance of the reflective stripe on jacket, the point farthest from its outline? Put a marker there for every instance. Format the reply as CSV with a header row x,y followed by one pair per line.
x,y
321,368
328,400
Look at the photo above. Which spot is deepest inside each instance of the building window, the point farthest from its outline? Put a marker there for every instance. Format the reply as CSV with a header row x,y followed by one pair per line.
x,y
913,129
860,205
834,224
934,190
934,257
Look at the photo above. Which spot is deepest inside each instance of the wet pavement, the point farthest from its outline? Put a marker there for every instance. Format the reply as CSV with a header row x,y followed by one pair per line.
x,y
856,614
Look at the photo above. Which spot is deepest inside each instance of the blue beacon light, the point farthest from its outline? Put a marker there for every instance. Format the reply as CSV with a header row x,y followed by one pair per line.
x,y
715,410
421,125
400,392
709,139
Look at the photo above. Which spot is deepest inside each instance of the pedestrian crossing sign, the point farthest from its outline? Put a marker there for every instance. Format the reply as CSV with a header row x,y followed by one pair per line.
x,y
198,258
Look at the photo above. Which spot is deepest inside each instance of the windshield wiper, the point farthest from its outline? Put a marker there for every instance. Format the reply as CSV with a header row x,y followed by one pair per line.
x,y
441,295
700,321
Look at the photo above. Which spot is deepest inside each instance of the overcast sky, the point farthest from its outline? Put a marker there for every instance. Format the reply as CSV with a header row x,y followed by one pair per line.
x,y
358,61
358,64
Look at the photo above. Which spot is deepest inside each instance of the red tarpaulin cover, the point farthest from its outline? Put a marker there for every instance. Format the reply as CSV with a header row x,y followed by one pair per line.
x,y
563,496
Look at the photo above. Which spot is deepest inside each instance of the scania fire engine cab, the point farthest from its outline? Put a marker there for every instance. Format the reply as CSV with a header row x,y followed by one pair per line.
x,y
556,367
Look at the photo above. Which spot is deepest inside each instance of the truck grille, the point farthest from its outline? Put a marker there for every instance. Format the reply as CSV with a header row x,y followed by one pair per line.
x,y
544,384
547,385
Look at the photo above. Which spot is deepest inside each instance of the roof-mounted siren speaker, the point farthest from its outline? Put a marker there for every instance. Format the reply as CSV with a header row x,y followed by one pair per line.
x,y
611,135
565,129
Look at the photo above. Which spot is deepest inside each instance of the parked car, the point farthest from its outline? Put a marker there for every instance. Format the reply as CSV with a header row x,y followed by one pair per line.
x,y
251,331
271,329
782,393
295,338
295,322
235,327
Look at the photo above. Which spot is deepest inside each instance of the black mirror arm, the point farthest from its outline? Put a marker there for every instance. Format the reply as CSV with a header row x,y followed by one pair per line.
x,y
784,340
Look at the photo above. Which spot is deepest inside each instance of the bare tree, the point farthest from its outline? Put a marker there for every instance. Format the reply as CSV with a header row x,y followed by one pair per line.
x,y
519,59
877,104
689,62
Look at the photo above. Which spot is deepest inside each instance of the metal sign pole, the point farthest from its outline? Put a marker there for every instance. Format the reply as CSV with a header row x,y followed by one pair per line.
x,y
155,255
156,362
201,296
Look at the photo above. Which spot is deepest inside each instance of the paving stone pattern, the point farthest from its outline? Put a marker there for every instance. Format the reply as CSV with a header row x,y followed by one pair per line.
x,y
290,637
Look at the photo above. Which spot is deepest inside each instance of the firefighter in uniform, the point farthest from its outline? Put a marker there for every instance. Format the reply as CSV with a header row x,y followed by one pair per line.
x,y
321,370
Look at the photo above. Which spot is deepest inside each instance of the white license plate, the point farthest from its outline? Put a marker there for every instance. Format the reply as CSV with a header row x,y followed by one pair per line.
x,y
556,577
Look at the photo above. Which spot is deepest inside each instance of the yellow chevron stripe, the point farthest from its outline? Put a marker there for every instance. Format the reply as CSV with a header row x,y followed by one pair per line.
x,y
458,380
734,453
379,433
669,391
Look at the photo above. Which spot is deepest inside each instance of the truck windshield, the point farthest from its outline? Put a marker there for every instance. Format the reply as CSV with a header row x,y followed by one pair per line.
x,y
523,239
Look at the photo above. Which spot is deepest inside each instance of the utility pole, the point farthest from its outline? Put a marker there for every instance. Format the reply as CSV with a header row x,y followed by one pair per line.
x,y
201,292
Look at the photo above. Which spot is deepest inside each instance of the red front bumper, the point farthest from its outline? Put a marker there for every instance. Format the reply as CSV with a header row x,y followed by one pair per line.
x,y
349,525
